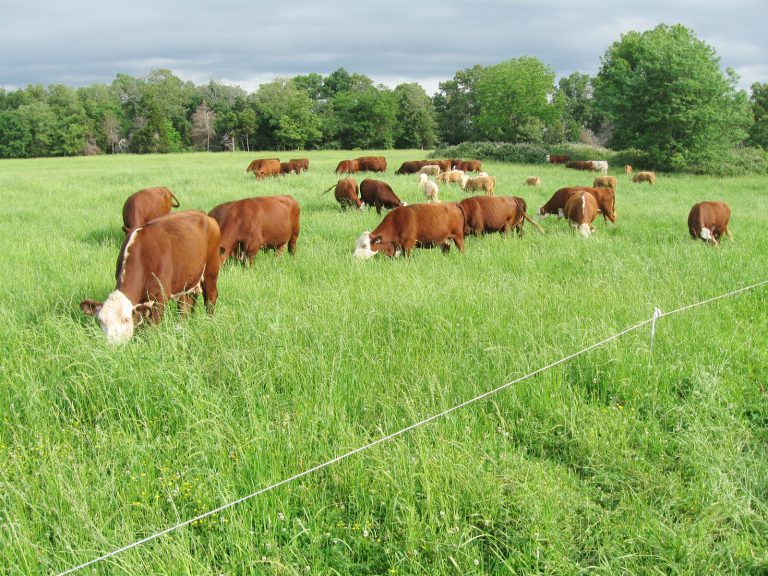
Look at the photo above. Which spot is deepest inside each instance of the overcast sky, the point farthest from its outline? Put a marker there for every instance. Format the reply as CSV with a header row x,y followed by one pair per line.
x,y
246,43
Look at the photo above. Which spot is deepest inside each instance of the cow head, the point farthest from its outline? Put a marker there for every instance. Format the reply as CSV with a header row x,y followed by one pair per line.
x,y
363,248
118,316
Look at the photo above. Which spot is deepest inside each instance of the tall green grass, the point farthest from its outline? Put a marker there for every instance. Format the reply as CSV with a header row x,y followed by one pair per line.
x,y
615,462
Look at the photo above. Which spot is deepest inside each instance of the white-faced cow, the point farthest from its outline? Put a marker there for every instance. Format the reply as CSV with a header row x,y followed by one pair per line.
x,y
581,209
709,221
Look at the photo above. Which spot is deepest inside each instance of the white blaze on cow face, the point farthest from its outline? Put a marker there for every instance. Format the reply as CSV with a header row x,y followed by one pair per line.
x,y
706,234
116,318
363,247
585,230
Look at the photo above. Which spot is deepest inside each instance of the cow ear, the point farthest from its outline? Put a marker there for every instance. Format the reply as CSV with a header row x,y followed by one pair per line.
x,y
90,307
126,229
141,311
376,239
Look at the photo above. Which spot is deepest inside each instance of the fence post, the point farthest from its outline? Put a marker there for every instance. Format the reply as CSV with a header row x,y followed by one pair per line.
x,y
656,314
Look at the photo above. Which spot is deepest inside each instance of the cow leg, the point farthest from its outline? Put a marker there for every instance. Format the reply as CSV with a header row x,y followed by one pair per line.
x,y
459,243
728,233
292,242
186,303
378,207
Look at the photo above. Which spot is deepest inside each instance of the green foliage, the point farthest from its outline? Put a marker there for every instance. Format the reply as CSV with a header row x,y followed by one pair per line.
x,y
456,106
415,118
14,135
758,132
664,93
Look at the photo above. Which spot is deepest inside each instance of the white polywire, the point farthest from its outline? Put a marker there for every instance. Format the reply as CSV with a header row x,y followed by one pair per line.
x,y
657,314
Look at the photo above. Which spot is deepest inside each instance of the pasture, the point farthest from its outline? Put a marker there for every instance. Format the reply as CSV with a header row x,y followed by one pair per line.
x,y
615,462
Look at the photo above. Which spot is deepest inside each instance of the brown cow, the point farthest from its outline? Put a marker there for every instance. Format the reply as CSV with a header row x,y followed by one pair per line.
x,y
468,165
628,169
285,168
379,194
346,193
486,214
445,165
581,209
145,205
251,224
649,177
580,165
605,182
605,197
557,158
418,225
347,167
411,166
173,257
299,164
256,164
709,221
372,163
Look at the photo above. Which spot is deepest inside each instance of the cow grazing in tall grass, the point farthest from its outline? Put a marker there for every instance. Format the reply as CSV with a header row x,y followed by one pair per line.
x,y
145,205
640,177
581,210
709,221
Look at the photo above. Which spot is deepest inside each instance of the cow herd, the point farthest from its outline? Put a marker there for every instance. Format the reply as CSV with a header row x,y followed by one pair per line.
x,y
177,256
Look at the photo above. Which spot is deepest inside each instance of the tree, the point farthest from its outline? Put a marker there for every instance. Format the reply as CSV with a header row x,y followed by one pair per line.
x,y
203,126
415,117
456,106
514,100
577,94
664,92
14,135
758,133
288,118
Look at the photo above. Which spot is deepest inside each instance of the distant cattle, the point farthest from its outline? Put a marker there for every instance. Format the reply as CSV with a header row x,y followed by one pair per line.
x,y
372,164
533,181
600,166
628,169
145,205
415,226
709,221
590,165
299,164
557,158
428,188
379,194
605,198
468,165
347,167
251,224
431,169
445,165
649,177
263,167
345,192
285,168
411,166
450,176
173,257
581,210
605,182
485,183
488,214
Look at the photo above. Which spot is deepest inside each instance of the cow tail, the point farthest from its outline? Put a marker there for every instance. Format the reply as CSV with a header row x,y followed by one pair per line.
x,y
329,189
174,199
533,222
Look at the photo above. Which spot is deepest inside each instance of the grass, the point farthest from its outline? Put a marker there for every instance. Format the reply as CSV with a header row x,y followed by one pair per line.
x,y
613,463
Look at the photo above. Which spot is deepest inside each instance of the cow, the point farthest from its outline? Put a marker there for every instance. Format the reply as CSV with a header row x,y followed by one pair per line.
x,y
255,165
581,209
251,224
579,165
347,167
299,164
345,191
599,166
428,188
468,165
709,221
285,168
417,225
557,158
487,214
445,165
605,197
173,257
431,169
450,176
628,169
372,164
486,183
649,177
533,181
411,166
379,194
145,205
605,182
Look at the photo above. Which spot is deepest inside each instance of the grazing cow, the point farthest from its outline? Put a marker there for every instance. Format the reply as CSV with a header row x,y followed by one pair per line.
x,y
468,165
485,182
581,209
145,205
411,166
418,225
557,158
445,165
605,182
431,169
379,194
589,165
285,168
628,169
605,197
346,193
649,177
487,214
599,166
709,221
256,164
267,167
173,257
533,181
450,176
372,164
299,164
251,224
428,188
347,167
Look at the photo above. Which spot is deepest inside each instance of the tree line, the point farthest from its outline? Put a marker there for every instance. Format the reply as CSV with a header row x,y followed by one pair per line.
x,y
661,91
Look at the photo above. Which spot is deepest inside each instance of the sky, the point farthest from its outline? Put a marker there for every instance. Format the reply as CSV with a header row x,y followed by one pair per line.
x,y
247,43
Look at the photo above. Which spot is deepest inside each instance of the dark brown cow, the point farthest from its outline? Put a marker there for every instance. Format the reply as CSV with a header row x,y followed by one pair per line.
x,y
347,167
145,205
581,209
487,214
251,224
445,165
346,193
557,158
285,168
173,257
418,225
709,221
372,163
411,167
379,194
469,165
606,201
299,164
256,164
579,165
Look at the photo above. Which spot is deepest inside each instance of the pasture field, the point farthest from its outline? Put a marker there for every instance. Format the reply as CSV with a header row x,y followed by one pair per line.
x,y
615,462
